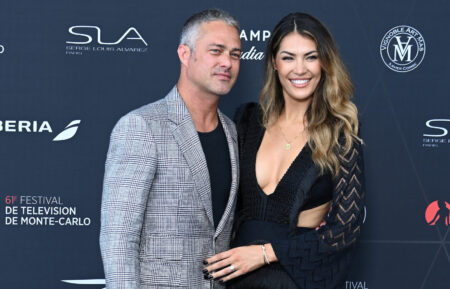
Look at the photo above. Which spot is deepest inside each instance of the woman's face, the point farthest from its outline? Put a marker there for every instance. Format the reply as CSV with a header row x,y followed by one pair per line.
x,y
298,65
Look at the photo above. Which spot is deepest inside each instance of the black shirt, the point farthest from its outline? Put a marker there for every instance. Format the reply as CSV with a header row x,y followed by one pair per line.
x,y
215,147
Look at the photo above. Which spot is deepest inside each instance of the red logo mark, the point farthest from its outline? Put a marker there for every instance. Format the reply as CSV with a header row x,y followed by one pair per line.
x,y
438,211
10,200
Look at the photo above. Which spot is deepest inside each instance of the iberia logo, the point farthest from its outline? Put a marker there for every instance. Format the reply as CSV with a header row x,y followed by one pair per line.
x,y
69,131
438,212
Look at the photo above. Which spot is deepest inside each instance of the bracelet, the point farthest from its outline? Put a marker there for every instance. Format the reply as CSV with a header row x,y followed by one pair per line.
x,y
266,260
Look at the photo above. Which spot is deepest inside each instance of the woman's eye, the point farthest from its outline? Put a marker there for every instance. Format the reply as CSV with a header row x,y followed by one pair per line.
x,y
287,58
312,57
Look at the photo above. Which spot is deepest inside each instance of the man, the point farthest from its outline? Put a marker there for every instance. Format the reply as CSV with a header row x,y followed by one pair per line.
x,y
171,173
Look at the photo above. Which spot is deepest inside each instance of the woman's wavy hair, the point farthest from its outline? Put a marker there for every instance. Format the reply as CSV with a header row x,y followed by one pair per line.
x,y
332,118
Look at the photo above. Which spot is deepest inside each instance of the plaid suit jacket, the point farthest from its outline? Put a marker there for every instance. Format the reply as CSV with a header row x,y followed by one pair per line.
x,y
156,216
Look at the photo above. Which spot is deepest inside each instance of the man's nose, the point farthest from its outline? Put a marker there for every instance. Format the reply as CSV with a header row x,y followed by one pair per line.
x,y
225,60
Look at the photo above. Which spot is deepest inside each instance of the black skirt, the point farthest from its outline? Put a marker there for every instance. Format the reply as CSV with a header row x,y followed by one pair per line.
x,y
272,276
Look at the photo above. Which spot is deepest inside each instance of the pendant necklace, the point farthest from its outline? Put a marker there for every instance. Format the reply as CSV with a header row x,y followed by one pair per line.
x,y
288,146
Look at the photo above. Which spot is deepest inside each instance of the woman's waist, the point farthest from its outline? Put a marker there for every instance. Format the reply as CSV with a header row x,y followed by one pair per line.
x,y
260,231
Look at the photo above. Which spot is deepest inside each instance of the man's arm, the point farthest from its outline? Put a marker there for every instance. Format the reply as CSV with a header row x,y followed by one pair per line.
x,y
129,170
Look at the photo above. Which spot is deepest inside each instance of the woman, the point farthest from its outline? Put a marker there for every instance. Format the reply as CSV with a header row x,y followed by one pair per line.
x,y
301,190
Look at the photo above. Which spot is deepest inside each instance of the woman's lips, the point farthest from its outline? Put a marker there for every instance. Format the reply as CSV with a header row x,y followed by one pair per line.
x,y
300,82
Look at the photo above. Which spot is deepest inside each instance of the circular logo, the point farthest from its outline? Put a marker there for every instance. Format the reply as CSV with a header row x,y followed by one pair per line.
x,y
402,48
2,49
437,212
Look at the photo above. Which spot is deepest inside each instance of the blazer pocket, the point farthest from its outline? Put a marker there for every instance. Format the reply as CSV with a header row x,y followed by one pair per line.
x,y
166,248
163,273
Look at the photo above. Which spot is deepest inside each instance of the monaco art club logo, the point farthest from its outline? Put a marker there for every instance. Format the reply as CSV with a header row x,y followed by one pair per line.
x,y
38,127
402,48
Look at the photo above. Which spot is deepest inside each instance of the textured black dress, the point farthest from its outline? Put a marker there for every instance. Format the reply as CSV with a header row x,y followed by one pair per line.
x,y
307,258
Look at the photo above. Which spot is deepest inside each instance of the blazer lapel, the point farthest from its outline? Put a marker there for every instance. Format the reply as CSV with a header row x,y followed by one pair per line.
x,y
186,136
234,155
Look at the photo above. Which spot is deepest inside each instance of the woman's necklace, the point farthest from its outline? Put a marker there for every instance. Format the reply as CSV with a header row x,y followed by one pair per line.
x,y
287,146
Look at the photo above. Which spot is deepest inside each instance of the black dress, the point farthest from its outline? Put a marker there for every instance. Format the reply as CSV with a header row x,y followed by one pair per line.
x,y
272,218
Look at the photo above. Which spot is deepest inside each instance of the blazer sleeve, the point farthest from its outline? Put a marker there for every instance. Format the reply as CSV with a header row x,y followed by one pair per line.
x,y
320,258
129,171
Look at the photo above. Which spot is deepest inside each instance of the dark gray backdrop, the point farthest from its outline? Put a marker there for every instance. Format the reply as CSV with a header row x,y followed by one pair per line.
x,y
46,83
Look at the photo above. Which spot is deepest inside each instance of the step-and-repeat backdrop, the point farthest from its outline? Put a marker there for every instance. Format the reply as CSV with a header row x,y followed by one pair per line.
x,y
69,69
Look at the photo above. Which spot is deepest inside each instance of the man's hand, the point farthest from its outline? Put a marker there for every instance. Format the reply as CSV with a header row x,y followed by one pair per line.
x,y
235,262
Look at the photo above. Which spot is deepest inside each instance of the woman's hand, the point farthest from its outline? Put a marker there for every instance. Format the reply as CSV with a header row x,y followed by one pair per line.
x,y
234,262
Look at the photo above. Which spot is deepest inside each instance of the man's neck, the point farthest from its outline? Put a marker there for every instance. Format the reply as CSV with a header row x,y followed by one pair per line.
x,y
202,107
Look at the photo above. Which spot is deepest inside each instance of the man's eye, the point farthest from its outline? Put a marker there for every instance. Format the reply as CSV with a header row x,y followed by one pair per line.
x,y
236,55
215,51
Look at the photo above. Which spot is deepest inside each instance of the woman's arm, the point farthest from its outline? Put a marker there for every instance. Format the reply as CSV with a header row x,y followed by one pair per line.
x,y
322,253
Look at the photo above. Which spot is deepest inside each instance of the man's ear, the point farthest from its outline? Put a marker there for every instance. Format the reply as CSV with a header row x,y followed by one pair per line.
x,y
184,53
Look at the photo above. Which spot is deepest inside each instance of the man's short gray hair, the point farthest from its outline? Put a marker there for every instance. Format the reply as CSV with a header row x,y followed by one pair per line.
x,y
190,32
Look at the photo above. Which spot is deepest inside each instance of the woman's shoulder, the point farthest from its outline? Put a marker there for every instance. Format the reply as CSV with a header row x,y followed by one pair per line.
x,y
248,119
354,138
245,111
248,113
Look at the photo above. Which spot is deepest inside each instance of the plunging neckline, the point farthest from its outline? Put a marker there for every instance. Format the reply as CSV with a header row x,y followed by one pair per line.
x,y
261,136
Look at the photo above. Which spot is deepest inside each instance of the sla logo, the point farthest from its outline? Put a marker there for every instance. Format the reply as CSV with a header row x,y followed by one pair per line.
x,y
76,30
437,132
402,48
26,126
438,211
2,49
86,282
443,130
252,36
86,38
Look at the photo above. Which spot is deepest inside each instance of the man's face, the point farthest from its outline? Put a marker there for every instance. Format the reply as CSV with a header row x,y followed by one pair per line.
x,y
213,66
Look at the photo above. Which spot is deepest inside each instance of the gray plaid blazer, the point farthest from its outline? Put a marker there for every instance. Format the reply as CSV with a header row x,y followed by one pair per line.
x,y
156,217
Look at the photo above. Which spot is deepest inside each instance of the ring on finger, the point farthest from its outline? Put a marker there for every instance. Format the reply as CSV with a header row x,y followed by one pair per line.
x,y
232,268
